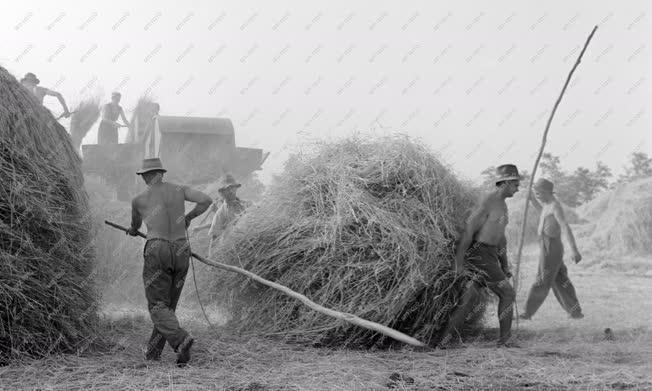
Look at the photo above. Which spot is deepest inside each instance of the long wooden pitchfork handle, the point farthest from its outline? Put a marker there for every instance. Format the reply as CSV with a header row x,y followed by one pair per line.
x,y
397,335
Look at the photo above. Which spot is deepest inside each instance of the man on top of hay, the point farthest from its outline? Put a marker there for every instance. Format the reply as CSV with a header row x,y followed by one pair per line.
x,y
227,212
167,254
484,247
552,271
31,82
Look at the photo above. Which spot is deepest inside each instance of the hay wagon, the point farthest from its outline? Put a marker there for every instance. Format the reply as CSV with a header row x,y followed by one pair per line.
x,y
194,150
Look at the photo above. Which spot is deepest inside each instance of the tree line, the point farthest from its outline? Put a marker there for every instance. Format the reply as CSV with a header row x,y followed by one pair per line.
x,y
582,185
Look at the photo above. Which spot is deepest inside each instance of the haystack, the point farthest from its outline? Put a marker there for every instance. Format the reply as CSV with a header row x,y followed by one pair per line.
x,y
85,114
365,226
46,279
625,226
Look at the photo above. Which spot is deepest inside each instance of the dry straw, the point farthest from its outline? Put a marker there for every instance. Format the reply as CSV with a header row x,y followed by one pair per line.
x,y
46,286
83,118
364,226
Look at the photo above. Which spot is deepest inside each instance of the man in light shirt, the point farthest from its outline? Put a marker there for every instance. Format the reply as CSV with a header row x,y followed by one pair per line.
x,y
226,212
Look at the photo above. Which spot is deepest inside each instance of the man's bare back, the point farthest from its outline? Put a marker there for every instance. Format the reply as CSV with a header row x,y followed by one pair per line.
x,y
162,209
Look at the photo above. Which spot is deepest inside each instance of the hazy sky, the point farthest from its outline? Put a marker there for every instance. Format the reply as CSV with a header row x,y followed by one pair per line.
x,y
473,79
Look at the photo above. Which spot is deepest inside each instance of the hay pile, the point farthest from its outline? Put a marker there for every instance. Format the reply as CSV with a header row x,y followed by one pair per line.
x,y
625,226
360,226
83,118
46,279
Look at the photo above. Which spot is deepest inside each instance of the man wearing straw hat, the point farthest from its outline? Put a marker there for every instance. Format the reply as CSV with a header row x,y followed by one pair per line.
x,y
226,214
552,271
31,82
483,247
166,253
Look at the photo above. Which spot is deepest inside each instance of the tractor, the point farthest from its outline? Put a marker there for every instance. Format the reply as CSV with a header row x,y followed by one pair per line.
x,y
194,150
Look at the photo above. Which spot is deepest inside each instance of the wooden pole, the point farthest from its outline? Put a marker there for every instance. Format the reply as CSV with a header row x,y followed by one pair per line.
x,y
397,335
536,163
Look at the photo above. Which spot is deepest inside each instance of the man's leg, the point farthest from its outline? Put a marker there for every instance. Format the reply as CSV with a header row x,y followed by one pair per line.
x,y
506,297
155,345
158,279
549,262
565,293
460,313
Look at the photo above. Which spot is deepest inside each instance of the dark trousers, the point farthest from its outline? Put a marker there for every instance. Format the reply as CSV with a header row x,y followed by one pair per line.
x,y
484,258
164,272
552,274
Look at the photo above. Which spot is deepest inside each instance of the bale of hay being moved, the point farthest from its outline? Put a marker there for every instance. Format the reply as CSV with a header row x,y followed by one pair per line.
x,y
365,226
46,264
85,114
625,226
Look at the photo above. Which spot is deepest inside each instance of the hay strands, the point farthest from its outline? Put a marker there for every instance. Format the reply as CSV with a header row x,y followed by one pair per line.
x,y
397,335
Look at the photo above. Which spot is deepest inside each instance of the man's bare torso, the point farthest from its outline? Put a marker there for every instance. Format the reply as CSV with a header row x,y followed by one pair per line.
x,y
163,211
492,230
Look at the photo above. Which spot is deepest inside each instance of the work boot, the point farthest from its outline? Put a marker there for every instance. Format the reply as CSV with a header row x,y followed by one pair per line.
x,y
184,351
577,315
524,316
152,355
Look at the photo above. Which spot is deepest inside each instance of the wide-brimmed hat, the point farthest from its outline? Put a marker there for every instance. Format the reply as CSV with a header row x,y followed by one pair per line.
x,y
29,76
152,164
544,185
507,172
228,182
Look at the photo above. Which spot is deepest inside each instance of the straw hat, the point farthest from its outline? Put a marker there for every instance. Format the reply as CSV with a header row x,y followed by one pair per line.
x,y
507,172
544,186
228,182
29,76
153,164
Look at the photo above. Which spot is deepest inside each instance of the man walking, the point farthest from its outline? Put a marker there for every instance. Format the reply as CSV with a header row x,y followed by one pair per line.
x,y
552,271
225,215
484,247
166,254
31,82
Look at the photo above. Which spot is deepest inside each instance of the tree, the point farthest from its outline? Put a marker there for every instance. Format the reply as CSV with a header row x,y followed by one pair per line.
x,y
583,185
640,166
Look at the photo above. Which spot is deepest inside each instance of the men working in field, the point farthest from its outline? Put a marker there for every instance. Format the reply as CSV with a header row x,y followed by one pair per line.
x,y
483,246
107,133
225,215
166,253
552,271
31,82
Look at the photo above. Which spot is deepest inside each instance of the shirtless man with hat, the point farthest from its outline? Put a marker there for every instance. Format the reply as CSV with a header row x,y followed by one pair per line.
x,y
167,254
31,82
484,247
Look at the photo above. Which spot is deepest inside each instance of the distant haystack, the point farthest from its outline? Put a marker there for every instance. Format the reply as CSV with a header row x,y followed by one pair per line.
x,y
84,116
625,226
46,261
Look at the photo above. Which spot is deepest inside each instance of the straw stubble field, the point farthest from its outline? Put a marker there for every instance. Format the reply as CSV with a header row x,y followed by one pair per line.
x,y
557,354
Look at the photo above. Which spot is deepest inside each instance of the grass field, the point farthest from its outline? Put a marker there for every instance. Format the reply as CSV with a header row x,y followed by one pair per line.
x,y
557,353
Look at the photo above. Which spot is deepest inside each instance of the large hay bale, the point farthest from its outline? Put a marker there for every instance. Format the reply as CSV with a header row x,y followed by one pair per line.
x,y
625,226
84,116
365,226
46,263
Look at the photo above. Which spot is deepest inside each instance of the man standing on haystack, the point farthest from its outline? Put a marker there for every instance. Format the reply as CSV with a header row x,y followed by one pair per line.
x,y
484,247
31,82
552,271
225,214
167,254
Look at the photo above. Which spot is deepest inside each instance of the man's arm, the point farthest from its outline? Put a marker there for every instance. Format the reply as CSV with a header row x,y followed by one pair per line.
x,y
66,112
202,201
136,218
566,230
535,203
124,119
474,223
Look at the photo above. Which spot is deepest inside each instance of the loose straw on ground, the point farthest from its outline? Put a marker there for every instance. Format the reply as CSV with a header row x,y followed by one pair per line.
x,y
397,335
536,163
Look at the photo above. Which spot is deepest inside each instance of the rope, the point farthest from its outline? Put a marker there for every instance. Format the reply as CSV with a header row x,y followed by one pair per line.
x,y
194,280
